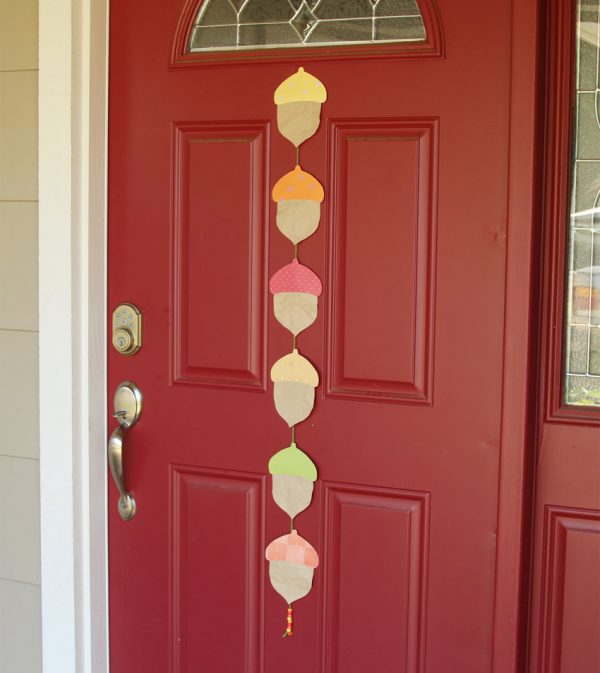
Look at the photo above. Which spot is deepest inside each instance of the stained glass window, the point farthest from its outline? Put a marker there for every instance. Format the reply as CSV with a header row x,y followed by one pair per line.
x,y
582,384
255,24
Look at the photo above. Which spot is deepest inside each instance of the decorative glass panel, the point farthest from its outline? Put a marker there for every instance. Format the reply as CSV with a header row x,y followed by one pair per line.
x,y
582,384
255,24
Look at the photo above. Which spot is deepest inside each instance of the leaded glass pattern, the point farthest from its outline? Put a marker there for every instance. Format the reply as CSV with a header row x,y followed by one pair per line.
x,y
254,24
582,384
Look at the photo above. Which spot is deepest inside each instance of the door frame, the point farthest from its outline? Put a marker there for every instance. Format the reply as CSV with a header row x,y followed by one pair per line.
x,y
72,315
73,57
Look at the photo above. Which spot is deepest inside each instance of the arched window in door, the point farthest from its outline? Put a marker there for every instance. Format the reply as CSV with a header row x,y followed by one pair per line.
x,y
258,24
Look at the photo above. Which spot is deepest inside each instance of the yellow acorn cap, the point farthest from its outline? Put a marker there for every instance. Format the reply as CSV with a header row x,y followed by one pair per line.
x,y
301,86
294,367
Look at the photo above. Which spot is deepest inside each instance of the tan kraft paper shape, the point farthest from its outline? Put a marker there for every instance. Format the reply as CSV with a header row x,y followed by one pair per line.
x,y
298,219
295,310
294,401
298,121
292,494
290,580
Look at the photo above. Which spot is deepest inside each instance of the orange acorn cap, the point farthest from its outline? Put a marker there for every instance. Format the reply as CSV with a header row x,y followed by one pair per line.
x,y
298,184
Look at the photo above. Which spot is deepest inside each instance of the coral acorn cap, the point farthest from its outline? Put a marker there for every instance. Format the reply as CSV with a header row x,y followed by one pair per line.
x,y
293,462
295,277
298,184
300,87
294,367
294,549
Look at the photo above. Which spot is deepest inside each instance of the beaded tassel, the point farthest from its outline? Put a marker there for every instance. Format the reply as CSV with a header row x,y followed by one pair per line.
x,y
290,623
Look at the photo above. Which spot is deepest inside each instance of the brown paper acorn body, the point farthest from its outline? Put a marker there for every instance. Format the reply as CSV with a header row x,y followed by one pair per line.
x,y
298,121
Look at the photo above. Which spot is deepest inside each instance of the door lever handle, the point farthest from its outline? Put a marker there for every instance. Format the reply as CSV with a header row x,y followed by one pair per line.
x,y
128,408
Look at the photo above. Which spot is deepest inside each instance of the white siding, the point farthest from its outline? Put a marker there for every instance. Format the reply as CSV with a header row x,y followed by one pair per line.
x,y
20,615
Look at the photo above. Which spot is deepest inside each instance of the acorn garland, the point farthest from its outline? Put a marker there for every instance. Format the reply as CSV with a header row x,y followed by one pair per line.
x,y
295,289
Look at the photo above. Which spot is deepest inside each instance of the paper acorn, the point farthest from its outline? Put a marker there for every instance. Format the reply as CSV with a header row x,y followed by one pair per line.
x,y
298,195
298,100
292,561
293,475
295,290
295,381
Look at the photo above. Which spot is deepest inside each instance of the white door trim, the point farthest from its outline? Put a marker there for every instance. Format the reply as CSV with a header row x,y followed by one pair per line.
x,y
72,259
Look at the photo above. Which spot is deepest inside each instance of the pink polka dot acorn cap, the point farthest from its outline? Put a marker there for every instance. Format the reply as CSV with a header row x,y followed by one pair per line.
x,y
295,277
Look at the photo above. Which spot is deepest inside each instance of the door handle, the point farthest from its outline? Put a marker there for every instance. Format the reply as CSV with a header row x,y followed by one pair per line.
x,y
128,408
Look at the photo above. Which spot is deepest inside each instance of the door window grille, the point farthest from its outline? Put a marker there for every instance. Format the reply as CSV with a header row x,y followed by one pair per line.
x,y
257,24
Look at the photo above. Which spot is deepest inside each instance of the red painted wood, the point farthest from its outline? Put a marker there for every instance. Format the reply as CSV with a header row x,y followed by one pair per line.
x,y
565,591
513,501
405,513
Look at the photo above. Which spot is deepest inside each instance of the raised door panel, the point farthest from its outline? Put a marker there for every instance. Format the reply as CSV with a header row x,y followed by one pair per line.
x,y
216,583
219,232
383,175
376,544
570,601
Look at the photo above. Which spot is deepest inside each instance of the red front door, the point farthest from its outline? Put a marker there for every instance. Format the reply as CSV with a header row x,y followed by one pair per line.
x,y
413,154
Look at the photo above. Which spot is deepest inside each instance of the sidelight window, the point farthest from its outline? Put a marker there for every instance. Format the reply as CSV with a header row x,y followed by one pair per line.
x,y
256,24
582,382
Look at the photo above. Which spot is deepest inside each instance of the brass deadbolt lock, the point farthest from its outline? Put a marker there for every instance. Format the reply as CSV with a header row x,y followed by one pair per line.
x,y
127,329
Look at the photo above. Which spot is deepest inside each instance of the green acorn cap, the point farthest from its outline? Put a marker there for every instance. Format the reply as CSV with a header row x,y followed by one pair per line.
x,y
294,462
